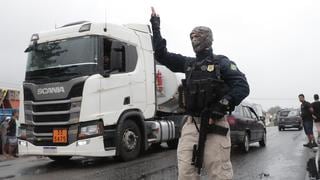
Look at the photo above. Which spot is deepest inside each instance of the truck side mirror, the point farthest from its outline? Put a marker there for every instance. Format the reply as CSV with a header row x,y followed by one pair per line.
x,y
117,59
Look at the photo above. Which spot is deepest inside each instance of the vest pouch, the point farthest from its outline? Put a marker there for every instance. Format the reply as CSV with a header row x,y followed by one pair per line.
x,y
190,95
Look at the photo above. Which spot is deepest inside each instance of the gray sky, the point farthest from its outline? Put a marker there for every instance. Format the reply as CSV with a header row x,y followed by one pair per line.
x,y
275,43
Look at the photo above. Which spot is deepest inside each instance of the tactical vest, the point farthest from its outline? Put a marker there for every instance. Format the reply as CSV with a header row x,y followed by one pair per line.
x,y
203,86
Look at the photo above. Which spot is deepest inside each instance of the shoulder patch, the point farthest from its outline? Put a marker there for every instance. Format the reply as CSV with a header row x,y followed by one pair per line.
x,y
233,67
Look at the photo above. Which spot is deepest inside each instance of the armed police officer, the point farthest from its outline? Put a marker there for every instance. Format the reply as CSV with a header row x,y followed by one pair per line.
x,y
213,86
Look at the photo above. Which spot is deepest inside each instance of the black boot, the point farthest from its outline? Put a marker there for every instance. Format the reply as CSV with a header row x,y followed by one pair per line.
x,y
314,144
307,145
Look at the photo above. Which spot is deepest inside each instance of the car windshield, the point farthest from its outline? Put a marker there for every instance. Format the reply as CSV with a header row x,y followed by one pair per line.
x,y
284,113
62,53
293,113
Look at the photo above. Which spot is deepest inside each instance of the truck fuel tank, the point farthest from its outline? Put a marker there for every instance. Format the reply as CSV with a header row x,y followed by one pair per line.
x,y
167,84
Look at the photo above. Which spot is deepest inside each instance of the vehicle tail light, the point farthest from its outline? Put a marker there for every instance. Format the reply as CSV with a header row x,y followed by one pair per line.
x,y
231,120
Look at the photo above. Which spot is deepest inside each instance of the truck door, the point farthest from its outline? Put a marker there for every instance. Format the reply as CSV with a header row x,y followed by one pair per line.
x,y
119,59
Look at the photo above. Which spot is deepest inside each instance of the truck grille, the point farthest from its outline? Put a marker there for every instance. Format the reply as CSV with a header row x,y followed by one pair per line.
x,y
43,135
44,116
51,118
60,112
51,107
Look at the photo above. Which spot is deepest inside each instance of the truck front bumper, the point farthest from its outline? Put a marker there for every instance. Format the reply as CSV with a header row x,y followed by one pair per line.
x,y
93,147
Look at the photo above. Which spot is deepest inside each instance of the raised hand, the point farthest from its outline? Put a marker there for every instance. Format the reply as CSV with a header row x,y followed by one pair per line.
x,y
155,20
153,12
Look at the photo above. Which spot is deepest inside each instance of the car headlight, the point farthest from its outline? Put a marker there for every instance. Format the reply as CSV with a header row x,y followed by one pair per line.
x,y
91,130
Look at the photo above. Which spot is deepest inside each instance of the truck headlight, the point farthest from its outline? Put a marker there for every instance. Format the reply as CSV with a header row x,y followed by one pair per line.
x,y
90,130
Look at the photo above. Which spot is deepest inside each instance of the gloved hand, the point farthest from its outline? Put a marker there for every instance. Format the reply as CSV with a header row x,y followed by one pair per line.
x,y
218,111
155,20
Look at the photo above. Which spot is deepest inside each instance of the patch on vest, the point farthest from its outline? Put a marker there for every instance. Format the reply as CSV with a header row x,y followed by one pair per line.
x,y
210,68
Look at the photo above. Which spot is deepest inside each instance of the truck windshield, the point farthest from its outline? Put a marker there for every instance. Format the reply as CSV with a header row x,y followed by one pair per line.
x,y
75,51
63,58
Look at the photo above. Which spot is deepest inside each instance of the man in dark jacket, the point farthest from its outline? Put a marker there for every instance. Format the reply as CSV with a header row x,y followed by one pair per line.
x,y
205,65
316,114
306,115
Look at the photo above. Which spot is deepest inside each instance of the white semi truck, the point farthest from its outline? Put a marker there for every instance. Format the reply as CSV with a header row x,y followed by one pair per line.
x,y
94,89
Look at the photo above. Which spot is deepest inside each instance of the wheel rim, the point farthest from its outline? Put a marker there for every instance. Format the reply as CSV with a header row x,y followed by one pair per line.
x,y
130,140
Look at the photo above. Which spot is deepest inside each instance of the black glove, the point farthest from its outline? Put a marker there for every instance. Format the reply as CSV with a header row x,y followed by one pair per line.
x,y
218,111
155,22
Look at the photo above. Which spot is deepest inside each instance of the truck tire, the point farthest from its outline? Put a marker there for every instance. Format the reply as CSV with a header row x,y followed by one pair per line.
x,y
245,145
173,144
129,141
60,158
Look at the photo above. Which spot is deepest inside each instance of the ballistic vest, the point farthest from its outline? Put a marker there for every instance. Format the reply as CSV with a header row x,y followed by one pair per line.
x,y
203,86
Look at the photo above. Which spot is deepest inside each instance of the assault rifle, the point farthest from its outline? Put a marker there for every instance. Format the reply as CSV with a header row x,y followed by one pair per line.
x,y
205,128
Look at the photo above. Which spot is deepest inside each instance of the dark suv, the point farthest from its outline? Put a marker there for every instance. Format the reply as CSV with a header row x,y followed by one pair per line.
x,y
289,118
246,127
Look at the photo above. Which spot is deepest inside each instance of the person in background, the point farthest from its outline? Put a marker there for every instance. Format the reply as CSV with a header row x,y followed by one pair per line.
x,y
307,120
12,134
316,114
3,128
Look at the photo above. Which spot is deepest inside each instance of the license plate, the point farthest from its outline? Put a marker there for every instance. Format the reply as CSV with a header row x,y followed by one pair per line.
x,y
49,150
60,136
288,125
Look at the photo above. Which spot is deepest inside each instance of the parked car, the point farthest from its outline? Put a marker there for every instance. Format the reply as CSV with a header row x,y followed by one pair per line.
x,y
289,118
246,127
259,111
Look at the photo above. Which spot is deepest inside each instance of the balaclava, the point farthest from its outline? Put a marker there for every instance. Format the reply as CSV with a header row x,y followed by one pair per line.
x,y
202,40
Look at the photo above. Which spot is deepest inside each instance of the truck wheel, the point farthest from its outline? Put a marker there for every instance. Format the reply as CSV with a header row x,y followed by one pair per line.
x,y
263,141
60,158
245,145
173,144
130,141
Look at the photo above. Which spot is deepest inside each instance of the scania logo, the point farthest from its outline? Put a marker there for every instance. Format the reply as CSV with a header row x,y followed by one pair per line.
x,y
51,90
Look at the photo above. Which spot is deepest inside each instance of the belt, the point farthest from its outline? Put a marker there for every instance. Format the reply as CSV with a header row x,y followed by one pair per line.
x,y
213,129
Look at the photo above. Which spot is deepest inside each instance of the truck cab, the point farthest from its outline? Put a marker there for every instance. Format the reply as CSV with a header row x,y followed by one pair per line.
x,y
91,90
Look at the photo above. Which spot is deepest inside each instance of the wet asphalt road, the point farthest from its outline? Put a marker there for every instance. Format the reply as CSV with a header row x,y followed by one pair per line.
x,y
283,158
